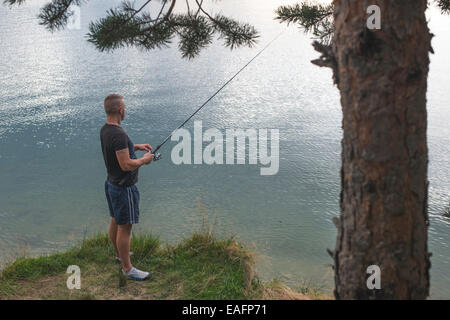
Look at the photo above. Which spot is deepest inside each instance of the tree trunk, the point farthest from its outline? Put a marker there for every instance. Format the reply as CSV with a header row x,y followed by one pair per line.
x,y
382,78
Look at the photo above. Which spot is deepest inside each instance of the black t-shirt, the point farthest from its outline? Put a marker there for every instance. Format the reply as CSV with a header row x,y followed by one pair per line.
x,y
114,138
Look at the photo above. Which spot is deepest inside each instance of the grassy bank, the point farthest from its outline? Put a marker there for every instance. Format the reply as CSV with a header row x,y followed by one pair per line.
x,y
200,267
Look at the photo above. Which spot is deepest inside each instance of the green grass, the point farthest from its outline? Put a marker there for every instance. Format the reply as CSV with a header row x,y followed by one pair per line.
x,y
200,267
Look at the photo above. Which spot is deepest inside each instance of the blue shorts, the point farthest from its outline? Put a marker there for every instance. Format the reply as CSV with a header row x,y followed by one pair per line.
x,y
123,203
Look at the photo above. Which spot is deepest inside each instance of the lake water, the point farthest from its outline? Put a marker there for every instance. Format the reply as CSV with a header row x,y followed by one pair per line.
x,y
52,171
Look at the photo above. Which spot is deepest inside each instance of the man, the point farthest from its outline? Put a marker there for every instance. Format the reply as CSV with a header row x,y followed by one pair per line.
x,y
121,193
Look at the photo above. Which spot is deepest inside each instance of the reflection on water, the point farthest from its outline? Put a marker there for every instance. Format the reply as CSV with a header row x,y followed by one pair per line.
x,y
52,172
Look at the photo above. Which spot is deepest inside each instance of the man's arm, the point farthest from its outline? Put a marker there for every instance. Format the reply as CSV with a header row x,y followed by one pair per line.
x,y
128,164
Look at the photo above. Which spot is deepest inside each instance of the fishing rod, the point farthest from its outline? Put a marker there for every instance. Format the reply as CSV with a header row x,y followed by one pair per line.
x,y
158,155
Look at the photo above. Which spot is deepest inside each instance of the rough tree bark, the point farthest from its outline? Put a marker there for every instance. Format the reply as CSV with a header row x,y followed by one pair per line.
x,y
382,78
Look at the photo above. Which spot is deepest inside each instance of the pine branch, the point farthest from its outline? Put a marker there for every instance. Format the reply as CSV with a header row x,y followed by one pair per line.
x,y
199,5
195,33
128,25
162,9
444,5
11,3
313,18
55,14
318,19
234,33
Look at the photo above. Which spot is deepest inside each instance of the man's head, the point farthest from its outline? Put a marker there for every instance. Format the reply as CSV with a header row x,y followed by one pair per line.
x,y
115,106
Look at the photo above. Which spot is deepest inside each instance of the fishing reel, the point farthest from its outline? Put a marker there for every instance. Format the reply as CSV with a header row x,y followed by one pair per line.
x,y
157,156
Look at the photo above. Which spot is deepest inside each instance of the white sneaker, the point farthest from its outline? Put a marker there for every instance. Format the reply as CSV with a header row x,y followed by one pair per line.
x,y
136,274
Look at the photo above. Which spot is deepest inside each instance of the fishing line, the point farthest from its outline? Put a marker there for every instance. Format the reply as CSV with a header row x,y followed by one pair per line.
x,y
158,155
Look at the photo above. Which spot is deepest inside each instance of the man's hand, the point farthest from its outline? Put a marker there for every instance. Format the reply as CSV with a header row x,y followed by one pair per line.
x,y
148,157
143,147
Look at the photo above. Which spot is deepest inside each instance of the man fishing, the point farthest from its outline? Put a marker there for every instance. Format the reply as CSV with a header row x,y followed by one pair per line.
x,y
121,192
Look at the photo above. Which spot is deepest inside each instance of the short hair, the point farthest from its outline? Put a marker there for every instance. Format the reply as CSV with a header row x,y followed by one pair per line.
x,y
112,103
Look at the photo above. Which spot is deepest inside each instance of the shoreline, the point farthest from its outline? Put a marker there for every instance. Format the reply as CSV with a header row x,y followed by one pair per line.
x,y
198,267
